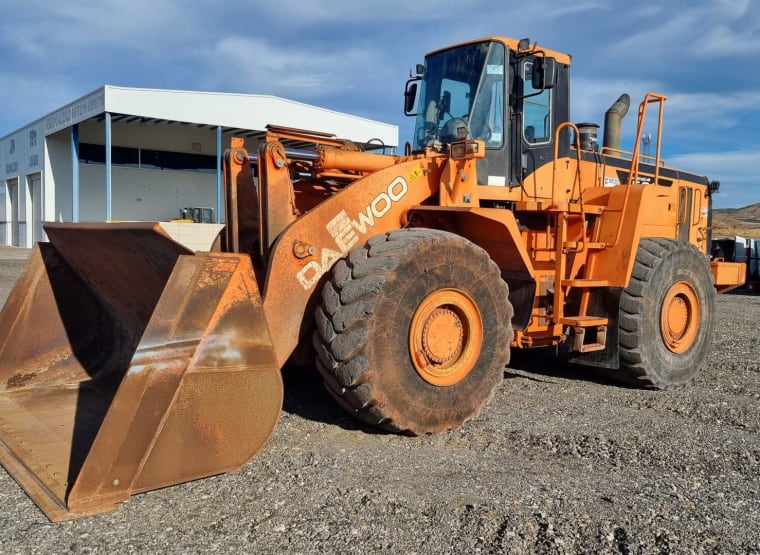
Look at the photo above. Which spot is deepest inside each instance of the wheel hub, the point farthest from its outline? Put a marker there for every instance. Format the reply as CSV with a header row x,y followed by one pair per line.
x,y
445,337
679,318
442,336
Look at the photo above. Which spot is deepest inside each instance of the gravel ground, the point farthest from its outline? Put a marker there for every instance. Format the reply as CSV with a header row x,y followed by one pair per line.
x,y
559,462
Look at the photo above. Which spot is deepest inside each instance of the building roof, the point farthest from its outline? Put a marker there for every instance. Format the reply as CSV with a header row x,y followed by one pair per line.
x,y
250,112
242,111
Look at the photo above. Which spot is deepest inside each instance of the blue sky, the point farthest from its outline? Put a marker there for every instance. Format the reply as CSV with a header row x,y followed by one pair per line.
x,y
354,56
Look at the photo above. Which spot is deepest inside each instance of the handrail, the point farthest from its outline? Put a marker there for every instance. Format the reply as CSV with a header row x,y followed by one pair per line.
x,y
577,179
577,145
633,177
619,153
648,99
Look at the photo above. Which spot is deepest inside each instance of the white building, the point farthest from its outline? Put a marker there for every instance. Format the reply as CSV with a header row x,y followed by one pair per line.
x,y
141,154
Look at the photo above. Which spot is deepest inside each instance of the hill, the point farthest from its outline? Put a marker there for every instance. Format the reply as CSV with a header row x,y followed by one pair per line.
x,y
737,221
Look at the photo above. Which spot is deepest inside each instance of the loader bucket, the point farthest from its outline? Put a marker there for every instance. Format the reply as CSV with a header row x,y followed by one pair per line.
x,y
128,363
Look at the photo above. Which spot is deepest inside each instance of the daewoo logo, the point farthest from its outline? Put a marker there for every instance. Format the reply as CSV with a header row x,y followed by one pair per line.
x,y
346,231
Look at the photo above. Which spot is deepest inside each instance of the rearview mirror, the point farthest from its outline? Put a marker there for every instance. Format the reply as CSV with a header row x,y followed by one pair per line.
x,y
544,73
410,97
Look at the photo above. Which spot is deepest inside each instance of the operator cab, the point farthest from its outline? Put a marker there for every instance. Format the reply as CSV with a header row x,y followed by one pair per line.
x,y
509,94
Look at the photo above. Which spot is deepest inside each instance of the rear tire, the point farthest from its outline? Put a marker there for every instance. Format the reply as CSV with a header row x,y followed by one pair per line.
x,y
414,331
666,315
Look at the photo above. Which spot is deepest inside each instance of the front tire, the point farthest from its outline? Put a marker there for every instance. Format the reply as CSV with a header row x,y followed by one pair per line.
x,y
666,315
414,331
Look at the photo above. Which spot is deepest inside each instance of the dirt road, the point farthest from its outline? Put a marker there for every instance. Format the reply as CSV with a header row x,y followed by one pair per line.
x,y
560,462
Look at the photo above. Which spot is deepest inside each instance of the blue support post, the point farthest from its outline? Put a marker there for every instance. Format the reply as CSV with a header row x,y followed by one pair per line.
x,y
219,215
108,166
75,173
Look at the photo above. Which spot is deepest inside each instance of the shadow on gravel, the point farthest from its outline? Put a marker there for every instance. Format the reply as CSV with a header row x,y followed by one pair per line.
x,y
543,365
306,396
744,292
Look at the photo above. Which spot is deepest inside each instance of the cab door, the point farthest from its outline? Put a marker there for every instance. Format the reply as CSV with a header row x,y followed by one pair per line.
x,y
536,125
489,119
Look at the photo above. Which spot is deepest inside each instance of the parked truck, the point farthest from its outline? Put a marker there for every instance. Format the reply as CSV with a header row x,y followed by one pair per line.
x,y
129,362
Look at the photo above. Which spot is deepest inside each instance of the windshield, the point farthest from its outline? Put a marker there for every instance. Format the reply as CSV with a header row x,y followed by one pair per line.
x,y
462,96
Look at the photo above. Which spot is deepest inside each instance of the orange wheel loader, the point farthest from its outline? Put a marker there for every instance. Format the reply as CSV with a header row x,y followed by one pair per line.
x,y
129,362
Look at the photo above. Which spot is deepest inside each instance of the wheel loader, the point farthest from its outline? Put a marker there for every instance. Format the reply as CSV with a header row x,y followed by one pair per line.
x,y
130,362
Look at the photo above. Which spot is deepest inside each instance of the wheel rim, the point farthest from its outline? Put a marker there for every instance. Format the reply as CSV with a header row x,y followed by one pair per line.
x,y
445,337
679,319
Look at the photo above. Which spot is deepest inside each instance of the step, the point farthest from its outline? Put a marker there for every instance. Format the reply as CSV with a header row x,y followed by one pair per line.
x,y
585,283
591,347
584,321
591,245
579,344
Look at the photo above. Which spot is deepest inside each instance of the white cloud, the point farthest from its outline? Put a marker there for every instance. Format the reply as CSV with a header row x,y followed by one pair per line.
x,y
42,29
656,35
736,171
27,98
708,117
266,68
314,12
552,10
645,11
734,8
709,29
591,98
713,110
735,165
722,40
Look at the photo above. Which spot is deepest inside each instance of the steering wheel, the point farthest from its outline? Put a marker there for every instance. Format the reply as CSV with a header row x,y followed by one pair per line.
x,y
449,131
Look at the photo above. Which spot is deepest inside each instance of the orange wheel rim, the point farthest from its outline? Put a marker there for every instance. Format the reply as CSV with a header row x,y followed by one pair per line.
x,y
679,319
445,337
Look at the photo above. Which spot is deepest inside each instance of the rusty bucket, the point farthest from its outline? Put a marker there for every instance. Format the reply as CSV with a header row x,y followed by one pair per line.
x,y
129,363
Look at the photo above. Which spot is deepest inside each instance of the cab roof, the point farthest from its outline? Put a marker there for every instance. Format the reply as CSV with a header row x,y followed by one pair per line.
x,y
514,45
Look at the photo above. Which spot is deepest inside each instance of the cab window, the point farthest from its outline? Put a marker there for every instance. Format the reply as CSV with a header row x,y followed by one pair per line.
x,y
487,119
536,110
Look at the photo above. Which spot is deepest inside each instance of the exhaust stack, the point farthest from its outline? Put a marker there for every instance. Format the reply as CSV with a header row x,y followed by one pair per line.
x,y
613,121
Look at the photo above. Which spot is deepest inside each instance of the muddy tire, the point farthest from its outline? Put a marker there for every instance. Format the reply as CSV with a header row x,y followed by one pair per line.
x,y
666,315
414,331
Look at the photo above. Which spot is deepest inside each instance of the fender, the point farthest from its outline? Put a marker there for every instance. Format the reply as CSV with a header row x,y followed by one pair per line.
x,y
481,226
311,245
346,231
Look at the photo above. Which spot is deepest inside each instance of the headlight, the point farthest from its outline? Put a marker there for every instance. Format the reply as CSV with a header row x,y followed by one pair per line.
x,y
463,150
